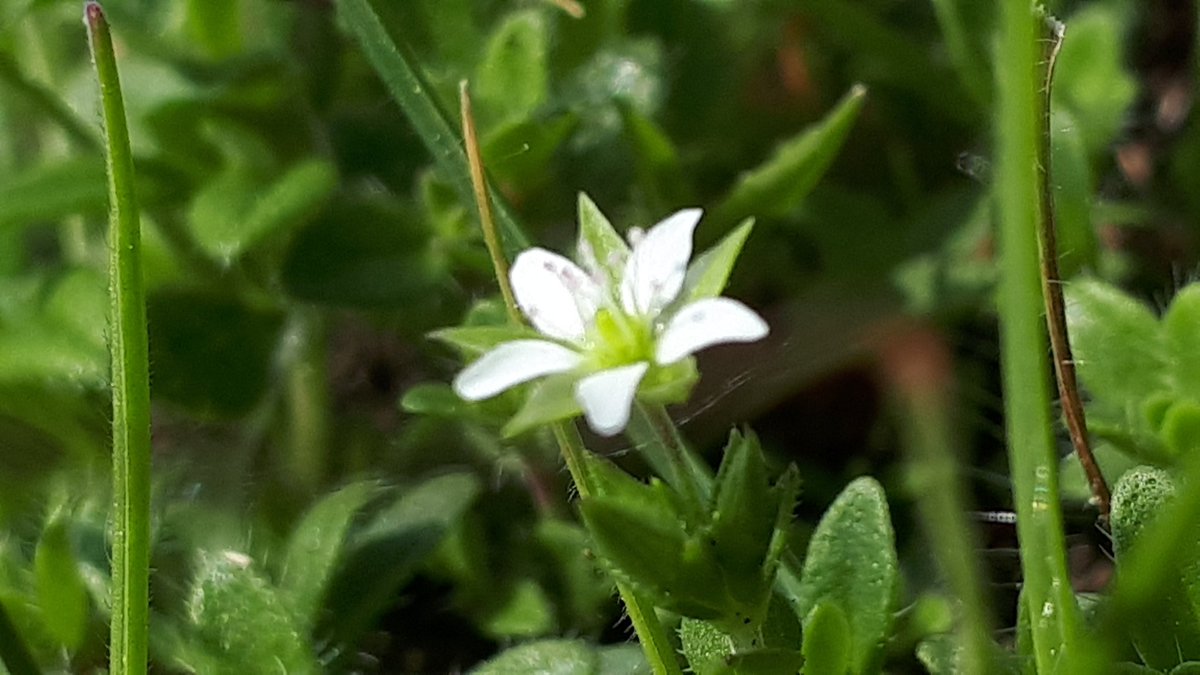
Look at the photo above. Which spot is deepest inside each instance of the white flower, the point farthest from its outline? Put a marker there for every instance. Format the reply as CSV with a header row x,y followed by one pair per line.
x,y
611,324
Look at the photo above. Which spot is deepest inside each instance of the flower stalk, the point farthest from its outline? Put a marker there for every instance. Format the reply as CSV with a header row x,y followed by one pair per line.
x,y
650,632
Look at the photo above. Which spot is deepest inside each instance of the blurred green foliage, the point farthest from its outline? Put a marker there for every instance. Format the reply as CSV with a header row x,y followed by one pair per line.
x,y
325,504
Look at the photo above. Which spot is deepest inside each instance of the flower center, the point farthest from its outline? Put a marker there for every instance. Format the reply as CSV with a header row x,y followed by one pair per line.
x,y
618,339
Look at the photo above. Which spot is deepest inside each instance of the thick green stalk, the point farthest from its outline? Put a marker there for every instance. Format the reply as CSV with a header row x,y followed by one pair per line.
x,y
130,372
1025,375
307,399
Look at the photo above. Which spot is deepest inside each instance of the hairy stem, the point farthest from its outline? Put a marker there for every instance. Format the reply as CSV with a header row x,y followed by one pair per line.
x,y
130,372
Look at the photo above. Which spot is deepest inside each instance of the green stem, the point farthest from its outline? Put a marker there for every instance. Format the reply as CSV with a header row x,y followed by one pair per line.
x,y
656,437
13,651
130,373
920,372
1025,376
308,399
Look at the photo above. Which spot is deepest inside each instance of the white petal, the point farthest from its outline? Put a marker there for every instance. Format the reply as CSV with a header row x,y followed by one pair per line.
x,y
655,270
607,397
559,298
511,364
705,323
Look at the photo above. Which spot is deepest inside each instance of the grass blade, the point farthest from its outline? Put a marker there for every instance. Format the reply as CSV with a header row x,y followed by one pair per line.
x,y
130,371
408,87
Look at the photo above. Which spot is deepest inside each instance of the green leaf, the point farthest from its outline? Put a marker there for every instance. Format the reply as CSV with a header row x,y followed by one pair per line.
x,y
762,661
387,552
315,546
644,543
524,613
549,400
744,517
587,591
851,562
409,89
1180,430
778,185
708,274
227,219
362,252
61,592
1170,634
211,354
237,615
939,654
1091,78
599,242
624,659
1181,325
512,78
705,647
826,641
1118,344
1073,196
1189,668
545,657
519,154
473,341
659,168
434,398
215,26
49,192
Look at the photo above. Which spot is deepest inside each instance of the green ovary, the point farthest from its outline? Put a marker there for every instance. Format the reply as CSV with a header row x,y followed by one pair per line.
x,y
618,340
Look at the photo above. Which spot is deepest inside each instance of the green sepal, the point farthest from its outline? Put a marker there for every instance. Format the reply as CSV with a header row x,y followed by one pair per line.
x,y
672,383
599,243
550,399
709,272
476,340
826,640
851,562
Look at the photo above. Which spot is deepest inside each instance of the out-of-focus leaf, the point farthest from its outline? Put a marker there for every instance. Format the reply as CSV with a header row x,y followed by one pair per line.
x,y
1117,342
51,191
409,88
545,657
1073,196
1091,79
519,155
660,171
61,593
215,25
939,655
210,354
512,78
361,253
238,616
316,545
233,214
1182,328
622,660
851,562
779,184
588,592
433,398
526,612
385,554
1170,634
